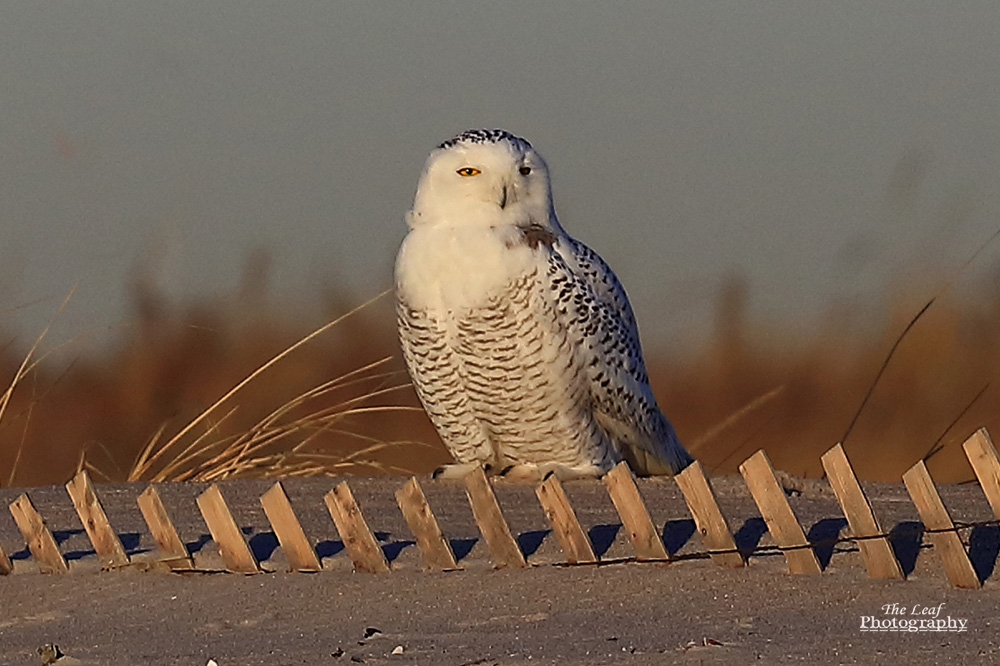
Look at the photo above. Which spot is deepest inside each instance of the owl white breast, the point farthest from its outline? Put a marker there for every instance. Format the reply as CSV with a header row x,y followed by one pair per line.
x,y
519,339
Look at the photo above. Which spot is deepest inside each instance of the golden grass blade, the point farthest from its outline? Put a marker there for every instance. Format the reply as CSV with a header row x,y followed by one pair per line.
x,y
25,367
95,472
346,406
937,446
751,406
135,473
274,359
233,459
895,345
195,449
230,461
20,446
322,389
316,392
190,452
186,456
316,426
369,439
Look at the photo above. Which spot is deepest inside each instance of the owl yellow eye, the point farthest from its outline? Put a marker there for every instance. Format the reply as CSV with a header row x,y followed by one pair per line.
x,y
468,171
525,170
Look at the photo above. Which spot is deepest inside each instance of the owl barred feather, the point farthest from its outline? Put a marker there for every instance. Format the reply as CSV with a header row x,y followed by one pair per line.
x,y
520,340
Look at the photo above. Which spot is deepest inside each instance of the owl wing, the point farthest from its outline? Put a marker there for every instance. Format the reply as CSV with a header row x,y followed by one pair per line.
x,y
597,310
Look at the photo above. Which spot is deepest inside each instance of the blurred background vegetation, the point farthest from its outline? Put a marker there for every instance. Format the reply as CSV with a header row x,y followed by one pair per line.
x,y
341,402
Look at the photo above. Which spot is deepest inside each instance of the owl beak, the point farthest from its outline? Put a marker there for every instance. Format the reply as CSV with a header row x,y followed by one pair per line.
x,y
508,195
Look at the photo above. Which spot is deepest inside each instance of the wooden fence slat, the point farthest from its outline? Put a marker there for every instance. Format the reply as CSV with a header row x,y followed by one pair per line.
x,y
982,456
935,516
876,551
708,518
624,493
504,550
170,549
88,506
298,551
572,539
6,566
36,534
434,548
236,554
778,514
359,542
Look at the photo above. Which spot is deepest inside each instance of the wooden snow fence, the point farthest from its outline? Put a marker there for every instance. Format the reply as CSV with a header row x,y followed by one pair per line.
x,y
363,549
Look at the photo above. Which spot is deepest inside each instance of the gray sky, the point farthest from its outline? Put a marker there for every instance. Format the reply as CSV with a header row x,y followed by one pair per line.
x,y
820,149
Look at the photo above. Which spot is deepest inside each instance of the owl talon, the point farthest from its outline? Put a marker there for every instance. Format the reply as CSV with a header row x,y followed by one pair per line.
x,y
453,471
522,473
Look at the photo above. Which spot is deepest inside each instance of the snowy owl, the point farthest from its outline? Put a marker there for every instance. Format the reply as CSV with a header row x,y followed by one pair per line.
x,y
519,339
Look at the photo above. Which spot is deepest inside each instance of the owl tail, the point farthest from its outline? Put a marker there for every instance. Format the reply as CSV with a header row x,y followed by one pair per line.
x,y
665,456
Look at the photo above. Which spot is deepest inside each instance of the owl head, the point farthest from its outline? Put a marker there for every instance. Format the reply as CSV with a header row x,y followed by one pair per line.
x,y
484,177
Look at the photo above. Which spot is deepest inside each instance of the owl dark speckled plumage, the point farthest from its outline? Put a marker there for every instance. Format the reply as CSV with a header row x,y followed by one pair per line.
x,y
520,340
